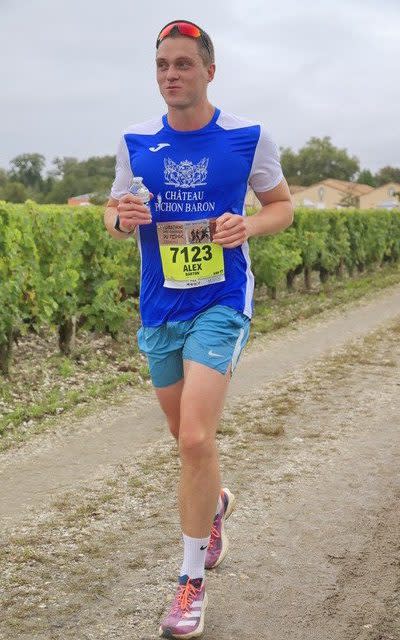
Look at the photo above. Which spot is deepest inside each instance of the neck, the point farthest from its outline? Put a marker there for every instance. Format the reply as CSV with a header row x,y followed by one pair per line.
x,y
192,118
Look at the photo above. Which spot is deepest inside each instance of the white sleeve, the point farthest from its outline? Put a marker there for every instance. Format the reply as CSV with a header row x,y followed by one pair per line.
x,y
266,172
123,172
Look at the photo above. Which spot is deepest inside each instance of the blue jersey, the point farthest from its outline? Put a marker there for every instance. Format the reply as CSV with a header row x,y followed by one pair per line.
x,y
195,177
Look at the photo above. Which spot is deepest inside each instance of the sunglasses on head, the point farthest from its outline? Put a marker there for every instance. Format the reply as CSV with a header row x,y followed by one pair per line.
x,y
186,29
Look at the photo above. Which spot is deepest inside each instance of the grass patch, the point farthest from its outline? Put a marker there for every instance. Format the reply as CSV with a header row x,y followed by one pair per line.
x,y
270,429
271,315
56,403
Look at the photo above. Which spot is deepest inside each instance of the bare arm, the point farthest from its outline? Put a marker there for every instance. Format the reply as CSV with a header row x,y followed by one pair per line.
x,y
275,215
109,220
131,211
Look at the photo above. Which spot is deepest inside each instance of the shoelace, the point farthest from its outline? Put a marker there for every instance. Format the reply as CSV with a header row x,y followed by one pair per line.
x,y
215,534
185,597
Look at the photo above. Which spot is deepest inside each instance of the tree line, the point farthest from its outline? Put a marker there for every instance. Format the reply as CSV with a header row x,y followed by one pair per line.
x,y
26,179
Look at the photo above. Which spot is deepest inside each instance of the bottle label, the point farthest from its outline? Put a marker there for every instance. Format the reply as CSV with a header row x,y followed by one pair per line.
x,y
188,255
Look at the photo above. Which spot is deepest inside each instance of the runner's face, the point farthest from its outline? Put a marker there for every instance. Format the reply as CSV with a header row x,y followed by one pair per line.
x,y
181,74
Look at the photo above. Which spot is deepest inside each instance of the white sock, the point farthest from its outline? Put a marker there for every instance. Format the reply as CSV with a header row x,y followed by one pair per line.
x,y
194,555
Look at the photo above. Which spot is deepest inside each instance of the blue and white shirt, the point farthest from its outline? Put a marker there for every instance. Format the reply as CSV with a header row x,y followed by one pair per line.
x,y
195,176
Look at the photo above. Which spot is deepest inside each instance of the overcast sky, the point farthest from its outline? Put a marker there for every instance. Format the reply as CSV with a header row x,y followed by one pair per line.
x,y
75,73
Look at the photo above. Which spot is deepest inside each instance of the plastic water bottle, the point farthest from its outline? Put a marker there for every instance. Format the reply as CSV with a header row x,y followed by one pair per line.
x,y
139,190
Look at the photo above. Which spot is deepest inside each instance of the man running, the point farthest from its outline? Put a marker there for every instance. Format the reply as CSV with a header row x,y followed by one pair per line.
x,y
196,282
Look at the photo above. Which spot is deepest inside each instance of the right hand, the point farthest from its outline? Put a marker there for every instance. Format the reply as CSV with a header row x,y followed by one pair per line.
x,y
132,212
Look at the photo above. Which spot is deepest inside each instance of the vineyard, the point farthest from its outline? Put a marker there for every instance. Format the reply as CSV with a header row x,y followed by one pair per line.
x,y
59,268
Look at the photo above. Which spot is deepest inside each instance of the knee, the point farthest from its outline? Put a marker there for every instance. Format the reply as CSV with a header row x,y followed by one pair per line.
x,y
195,443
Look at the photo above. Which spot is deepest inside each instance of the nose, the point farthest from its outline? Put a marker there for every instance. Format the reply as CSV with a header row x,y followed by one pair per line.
x,y
172,73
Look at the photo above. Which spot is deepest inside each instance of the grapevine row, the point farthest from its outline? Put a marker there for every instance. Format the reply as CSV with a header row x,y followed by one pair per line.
x,y
60,268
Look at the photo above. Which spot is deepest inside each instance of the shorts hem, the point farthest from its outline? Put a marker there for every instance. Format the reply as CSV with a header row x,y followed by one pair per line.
x,y
158,385
208,364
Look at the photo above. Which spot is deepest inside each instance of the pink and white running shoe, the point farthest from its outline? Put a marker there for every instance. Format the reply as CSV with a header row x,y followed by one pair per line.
x,y
186,616
218,545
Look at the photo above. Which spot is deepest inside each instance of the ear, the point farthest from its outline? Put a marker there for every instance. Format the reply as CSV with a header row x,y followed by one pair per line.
x,y
211,72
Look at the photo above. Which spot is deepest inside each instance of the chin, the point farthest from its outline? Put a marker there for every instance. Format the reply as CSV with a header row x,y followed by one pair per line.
x,y
175,101
178,103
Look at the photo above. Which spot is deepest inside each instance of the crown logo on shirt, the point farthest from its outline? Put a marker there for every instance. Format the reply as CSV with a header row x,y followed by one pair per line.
x,y
185,174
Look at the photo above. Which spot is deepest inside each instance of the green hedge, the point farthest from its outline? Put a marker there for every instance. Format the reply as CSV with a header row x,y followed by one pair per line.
x,y
59,267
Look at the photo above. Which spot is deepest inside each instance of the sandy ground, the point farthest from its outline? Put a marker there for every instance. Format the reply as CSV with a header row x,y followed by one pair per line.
x,y
313,454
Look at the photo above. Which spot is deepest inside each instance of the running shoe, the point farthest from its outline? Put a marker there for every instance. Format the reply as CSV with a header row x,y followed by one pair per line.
x,y
186,617
218,545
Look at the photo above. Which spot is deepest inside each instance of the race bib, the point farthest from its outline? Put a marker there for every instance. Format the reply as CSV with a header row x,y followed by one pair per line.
x,y
188,255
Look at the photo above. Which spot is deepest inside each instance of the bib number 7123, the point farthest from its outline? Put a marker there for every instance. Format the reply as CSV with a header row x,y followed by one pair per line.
x,y
195,253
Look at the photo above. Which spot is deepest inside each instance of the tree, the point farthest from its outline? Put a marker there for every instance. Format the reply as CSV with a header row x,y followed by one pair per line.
x,y
27,168
13,191
387,174
62,190
61,166
290,165
350,200
317,160
366,177
100,196
73,177
320,159
3,177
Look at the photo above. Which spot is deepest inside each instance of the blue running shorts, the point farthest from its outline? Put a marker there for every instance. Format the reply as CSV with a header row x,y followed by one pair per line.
x,y
214,338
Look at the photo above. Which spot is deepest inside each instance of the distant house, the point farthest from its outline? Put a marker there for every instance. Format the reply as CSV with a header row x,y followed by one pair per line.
x,y
330,194
385,197
82,200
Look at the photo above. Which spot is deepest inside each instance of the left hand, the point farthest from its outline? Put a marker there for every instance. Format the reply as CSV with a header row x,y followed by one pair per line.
x,y
230,230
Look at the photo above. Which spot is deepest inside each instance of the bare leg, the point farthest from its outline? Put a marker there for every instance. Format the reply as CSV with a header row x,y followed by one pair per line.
x,y
202,400
170,402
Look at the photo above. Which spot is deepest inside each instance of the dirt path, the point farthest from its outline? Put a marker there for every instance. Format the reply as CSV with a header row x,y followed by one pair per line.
x,y
314,459
78,453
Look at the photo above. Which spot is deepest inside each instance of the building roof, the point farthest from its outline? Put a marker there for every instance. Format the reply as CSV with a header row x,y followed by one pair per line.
x,y
349,187
354,188
383,187
396,185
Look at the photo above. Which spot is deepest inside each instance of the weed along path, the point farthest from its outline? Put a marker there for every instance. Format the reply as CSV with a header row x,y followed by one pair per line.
x,y
78,453
309,443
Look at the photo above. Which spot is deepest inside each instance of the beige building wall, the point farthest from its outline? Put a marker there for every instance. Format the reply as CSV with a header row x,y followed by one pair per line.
x,y
381,197
320,196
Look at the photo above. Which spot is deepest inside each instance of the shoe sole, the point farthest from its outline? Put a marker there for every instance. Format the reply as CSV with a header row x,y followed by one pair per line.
x,y
231,503
193,634
224,537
